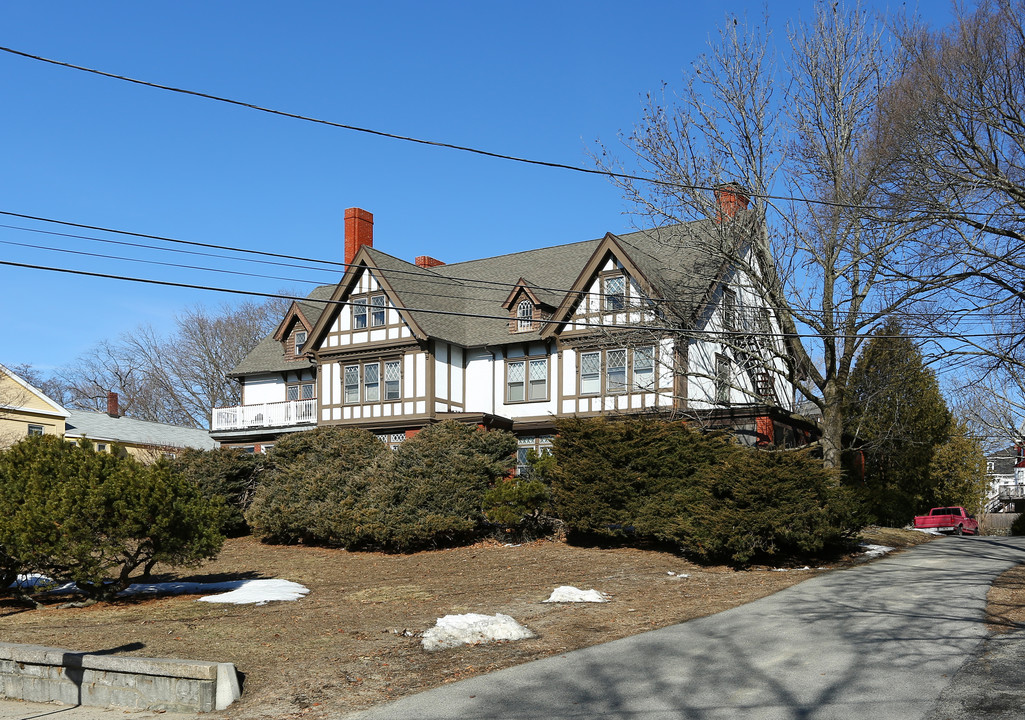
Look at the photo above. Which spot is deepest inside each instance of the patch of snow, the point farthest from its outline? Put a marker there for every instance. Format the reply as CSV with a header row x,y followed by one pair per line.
x,y
472,629
677,575
800,569
927,531
570,594
874,551
259,592
238,592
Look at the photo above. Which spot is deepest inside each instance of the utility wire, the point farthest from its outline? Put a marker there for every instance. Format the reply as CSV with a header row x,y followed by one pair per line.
x,y
451,146
479,316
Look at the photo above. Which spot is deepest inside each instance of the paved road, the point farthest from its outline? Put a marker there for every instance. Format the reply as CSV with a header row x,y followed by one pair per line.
x,y
879,641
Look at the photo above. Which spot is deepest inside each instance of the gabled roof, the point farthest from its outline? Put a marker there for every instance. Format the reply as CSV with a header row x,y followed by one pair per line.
x,y
462,303
102,427
53,407
269,356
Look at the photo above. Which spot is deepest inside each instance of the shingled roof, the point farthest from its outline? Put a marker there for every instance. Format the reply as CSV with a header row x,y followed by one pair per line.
x,y
269,355
130,431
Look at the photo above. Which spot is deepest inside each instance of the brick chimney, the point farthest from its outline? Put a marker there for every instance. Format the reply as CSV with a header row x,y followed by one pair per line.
x,y
359,231
426,261
730,198
112,408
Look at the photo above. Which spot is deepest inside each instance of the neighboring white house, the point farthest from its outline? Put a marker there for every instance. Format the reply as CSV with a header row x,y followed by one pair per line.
x,y
642,322
1006,472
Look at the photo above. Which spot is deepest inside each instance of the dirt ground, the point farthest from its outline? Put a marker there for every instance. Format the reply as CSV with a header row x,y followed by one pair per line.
x,y
351,643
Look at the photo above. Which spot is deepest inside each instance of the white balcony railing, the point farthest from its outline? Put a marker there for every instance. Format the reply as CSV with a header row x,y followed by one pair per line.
x,y
279,414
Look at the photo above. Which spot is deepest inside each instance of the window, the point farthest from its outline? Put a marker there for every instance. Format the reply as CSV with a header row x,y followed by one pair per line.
x,y
590,373
527,380
515,372
615,371
392,378
989,467
102,447
525,315
722,380
35,430
372,382
351,384
540,444
300,340
644,368
729,310
538,379
299,391
615,292
359,314
377,311
392,440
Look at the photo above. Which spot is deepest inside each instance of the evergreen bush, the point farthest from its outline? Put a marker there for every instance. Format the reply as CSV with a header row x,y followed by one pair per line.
x,y
96,519
228,473
701,492
1018,526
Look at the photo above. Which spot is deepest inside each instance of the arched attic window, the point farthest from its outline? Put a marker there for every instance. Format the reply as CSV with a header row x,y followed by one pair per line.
x,y
525,315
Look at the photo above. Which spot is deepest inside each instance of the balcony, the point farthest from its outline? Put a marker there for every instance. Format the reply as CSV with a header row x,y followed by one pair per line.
x,y
266,415
1006,493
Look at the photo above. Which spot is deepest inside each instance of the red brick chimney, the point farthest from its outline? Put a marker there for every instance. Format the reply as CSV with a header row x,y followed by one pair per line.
x,y
359,231
426,261
730,198
112,408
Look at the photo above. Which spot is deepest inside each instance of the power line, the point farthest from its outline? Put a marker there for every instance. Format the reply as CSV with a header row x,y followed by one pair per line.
x,y
461,148
455,313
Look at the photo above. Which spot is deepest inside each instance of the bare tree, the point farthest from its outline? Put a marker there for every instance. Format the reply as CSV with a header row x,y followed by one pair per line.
x,y
175,379
958,115
805,125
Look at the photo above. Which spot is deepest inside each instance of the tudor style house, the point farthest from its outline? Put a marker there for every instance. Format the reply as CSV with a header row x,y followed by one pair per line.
x,y
644,322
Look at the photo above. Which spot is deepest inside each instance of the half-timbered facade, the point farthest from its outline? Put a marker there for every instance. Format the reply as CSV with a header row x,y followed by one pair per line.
x,y
644,322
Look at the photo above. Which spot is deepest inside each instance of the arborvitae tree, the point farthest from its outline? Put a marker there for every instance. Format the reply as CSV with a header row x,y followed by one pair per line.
x,y
958,472
896,418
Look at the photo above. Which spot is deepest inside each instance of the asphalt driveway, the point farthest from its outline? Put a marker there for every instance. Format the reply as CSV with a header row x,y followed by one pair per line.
x,y
882,640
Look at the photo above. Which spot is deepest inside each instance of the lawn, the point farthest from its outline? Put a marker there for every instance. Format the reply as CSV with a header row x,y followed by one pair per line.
x,y
352,641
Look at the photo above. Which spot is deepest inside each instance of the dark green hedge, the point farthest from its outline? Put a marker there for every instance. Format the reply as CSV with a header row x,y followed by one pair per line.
x,y
701,492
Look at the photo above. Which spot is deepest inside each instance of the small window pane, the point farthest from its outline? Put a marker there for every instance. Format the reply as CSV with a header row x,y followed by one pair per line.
x,y
590,373
35,429
392,377
644,368
352,383
307,391
359,314
516,372
292,393
372,382
377,311
300,340
615,382
539,379
525,315
615,292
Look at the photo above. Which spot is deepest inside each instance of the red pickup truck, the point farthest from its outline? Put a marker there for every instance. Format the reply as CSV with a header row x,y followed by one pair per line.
x,y
948,519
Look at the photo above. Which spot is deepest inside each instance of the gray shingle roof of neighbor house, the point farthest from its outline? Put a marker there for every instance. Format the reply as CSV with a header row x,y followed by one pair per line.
x,y
1003,461
99,426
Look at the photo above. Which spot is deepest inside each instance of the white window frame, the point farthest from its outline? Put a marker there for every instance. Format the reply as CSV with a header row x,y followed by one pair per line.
x,y
613,301
392,387
372,382
525,315
378,311
34,430
647,353
360,314
300,342
723,371
350,390
729,310
592,379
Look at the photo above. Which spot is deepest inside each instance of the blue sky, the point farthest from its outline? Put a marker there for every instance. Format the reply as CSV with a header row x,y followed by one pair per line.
x,y
532,79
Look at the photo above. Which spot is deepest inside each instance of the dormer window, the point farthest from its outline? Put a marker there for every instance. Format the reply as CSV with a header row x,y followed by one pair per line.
x,y
300,340
614,291
525,315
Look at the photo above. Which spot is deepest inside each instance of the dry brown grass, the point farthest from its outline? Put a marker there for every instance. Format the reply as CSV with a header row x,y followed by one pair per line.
x,y
342,647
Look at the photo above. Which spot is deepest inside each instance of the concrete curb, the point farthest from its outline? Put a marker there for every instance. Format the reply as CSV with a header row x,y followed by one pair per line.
x,y
46,674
